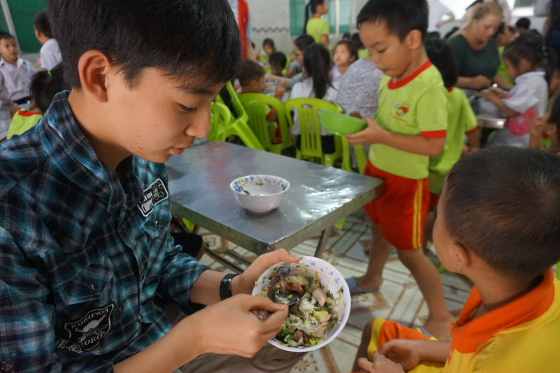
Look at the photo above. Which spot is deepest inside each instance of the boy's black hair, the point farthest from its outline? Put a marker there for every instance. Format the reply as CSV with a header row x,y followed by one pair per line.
x,y
278,58
434,35
512,30
42,24
6,35
451,32
524,23
270,43
351,46
400,16
346,35
249,71
304,41
530,46
310,9
439,52
185,39
503,204
357,41
45,85
317,62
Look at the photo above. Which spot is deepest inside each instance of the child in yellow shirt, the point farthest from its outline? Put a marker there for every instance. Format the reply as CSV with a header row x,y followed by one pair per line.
x,y
511,320
409,127
317,27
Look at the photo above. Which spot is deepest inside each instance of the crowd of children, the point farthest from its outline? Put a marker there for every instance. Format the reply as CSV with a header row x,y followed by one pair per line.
x,y
493,215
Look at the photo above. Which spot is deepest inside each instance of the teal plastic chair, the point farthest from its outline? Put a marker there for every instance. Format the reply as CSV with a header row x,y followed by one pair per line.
x,y
310,127
255,104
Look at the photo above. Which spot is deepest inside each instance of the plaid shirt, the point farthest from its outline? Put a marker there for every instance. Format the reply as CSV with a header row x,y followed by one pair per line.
x,y
82,252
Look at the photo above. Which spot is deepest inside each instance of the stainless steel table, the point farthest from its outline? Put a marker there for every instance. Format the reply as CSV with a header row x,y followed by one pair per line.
x,y
318,197
486,120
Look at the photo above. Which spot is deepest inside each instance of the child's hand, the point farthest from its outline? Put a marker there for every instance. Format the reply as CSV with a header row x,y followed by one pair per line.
x,y
372,134
380,364
38,64
480,81
291,72
230,327
498,92
537,126
401,351
355,114
487,95
14,108
279,91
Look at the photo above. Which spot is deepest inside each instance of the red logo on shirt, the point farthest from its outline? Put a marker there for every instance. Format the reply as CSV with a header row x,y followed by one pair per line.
x,y
401,110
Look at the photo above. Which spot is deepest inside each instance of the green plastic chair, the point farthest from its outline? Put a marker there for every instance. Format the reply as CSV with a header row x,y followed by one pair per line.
x,y
346,159
308,113
238,124
254,104
220,118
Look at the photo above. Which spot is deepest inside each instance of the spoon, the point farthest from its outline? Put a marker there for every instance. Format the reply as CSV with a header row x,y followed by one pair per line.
x,y
246,192
278,295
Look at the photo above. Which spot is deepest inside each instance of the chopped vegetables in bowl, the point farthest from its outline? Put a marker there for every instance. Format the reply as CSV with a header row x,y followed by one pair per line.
x,y
321,312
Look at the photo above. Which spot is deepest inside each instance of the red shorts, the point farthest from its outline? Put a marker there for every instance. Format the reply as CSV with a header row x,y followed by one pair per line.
x,y
434,198
400,209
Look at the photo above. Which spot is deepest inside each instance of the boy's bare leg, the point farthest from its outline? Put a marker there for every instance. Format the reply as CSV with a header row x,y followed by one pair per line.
x,y
428,229
378,255
362,350
431,286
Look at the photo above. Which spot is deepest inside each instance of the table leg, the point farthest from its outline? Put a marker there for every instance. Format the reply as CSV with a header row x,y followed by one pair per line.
x,y
223,261
195,229
323,242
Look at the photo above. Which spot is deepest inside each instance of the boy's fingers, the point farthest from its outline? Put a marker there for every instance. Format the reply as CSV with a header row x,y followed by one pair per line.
x,y
366,365
278,256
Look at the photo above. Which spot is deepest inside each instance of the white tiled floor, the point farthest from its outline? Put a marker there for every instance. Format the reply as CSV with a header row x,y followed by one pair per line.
x,y
399,298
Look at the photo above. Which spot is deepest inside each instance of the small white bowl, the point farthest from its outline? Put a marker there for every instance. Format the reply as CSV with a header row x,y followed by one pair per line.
x,y
329,277
266,192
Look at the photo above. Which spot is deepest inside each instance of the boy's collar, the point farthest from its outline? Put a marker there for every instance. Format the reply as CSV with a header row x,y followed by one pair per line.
x,y
18,63
401,83
467,334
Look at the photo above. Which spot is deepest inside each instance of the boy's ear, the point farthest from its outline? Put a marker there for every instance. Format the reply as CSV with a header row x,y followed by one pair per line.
x,y
93,68
463,257
37,33
414,39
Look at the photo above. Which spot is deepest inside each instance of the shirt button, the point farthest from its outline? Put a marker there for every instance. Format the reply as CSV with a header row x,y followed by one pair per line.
x,y
93,287
140,318
157,222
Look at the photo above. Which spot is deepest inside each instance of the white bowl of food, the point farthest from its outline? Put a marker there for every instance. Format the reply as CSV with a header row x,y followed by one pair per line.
x,y
259,193
322,312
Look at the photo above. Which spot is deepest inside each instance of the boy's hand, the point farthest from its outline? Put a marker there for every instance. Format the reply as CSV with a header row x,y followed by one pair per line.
x,y
244,283
480,81
372,134
291,72
380,364
38,64
355,114
279,91
230,327
401,351
537,126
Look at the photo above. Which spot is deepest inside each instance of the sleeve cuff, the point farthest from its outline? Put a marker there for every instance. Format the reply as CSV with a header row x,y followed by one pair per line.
x,y
269,115
471,131
434,134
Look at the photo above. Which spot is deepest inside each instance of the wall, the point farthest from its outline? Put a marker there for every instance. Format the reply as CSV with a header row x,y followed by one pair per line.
x,y
271,19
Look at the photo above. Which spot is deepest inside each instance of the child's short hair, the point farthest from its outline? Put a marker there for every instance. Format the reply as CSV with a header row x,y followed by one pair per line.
x,y
278,58
270,43
346,35
524,23
45,85
351,46
357,40
400,16
249,71
5,35
439,52
304,41
530,46
500,30
196,38
42,24
512,30
503,204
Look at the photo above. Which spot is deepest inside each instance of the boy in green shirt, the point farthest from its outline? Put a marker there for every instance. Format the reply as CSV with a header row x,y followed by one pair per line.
x,y
409,128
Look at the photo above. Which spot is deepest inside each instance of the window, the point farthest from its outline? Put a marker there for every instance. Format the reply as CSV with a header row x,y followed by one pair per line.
x,y
338,16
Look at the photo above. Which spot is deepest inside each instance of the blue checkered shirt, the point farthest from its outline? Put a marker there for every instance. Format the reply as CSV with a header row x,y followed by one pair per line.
x,y
83,252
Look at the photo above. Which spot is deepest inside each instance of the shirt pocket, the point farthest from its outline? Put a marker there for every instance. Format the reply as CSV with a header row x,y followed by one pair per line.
x,y
95,286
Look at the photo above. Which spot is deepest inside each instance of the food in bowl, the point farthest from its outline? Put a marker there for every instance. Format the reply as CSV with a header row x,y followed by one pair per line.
x,y
322,311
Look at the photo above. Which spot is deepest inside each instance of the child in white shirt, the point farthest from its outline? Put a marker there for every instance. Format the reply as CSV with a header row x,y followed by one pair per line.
x,y
524,60
318,84
344,54
15,78
50,53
